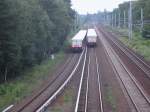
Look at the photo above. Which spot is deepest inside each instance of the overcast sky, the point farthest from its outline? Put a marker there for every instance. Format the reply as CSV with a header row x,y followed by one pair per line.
x,y
93,6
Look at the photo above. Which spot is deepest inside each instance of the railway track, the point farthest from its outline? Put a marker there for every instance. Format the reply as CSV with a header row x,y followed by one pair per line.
x,y
44,97
139,72
136,64
89,96
140,63
138,96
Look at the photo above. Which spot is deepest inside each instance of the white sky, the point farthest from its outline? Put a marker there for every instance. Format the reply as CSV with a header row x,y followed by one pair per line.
x,y
93,6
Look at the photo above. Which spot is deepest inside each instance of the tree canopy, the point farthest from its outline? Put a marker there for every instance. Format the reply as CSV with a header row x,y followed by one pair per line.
x,y
30,30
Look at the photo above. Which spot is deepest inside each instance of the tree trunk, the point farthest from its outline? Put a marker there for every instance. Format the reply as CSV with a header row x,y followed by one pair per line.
x,y
5,74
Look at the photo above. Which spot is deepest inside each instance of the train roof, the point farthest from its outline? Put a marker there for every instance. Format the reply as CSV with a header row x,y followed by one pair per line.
x,y
91,32
80,35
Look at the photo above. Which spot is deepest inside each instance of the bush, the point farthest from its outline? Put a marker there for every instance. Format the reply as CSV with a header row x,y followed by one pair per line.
x,y
146,31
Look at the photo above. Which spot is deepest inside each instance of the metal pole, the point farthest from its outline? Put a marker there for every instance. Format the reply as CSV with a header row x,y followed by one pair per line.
x,y
119,20
112,19
142,23
107,19
115,20
75,22
108,22
130,21
131,17
129,24
124,19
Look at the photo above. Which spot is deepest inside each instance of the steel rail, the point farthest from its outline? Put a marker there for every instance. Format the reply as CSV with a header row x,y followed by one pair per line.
x,y
128,52
135,61
131,77
135,81
135,106
8,108
87,87
118,41
99,84
42,108
136,84
81,82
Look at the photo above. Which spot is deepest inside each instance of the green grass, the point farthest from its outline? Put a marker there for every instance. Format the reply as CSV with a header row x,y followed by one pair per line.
x,y
109,97
23,86
58,109
118,30
65,101
137,43
68,97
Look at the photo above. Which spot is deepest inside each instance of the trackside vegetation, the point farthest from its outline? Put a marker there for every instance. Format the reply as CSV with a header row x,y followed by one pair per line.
x,y
23,86
110,99
30,31
137,43
65,102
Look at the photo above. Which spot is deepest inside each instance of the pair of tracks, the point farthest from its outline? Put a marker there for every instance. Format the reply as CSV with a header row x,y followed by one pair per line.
x,y
139,62
89,97
135,91
40,100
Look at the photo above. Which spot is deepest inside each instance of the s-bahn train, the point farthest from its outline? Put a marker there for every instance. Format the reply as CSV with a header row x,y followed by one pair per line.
x,y
82,38
78,40
91,37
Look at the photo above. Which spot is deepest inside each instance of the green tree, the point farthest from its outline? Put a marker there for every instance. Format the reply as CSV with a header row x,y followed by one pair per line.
x,y
30,30
9,51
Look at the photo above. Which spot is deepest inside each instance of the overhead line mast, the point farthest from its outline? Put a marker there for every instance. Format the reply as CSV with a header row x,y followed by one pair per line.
x,y
142,23
130,21
119,20
124,19
115,20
